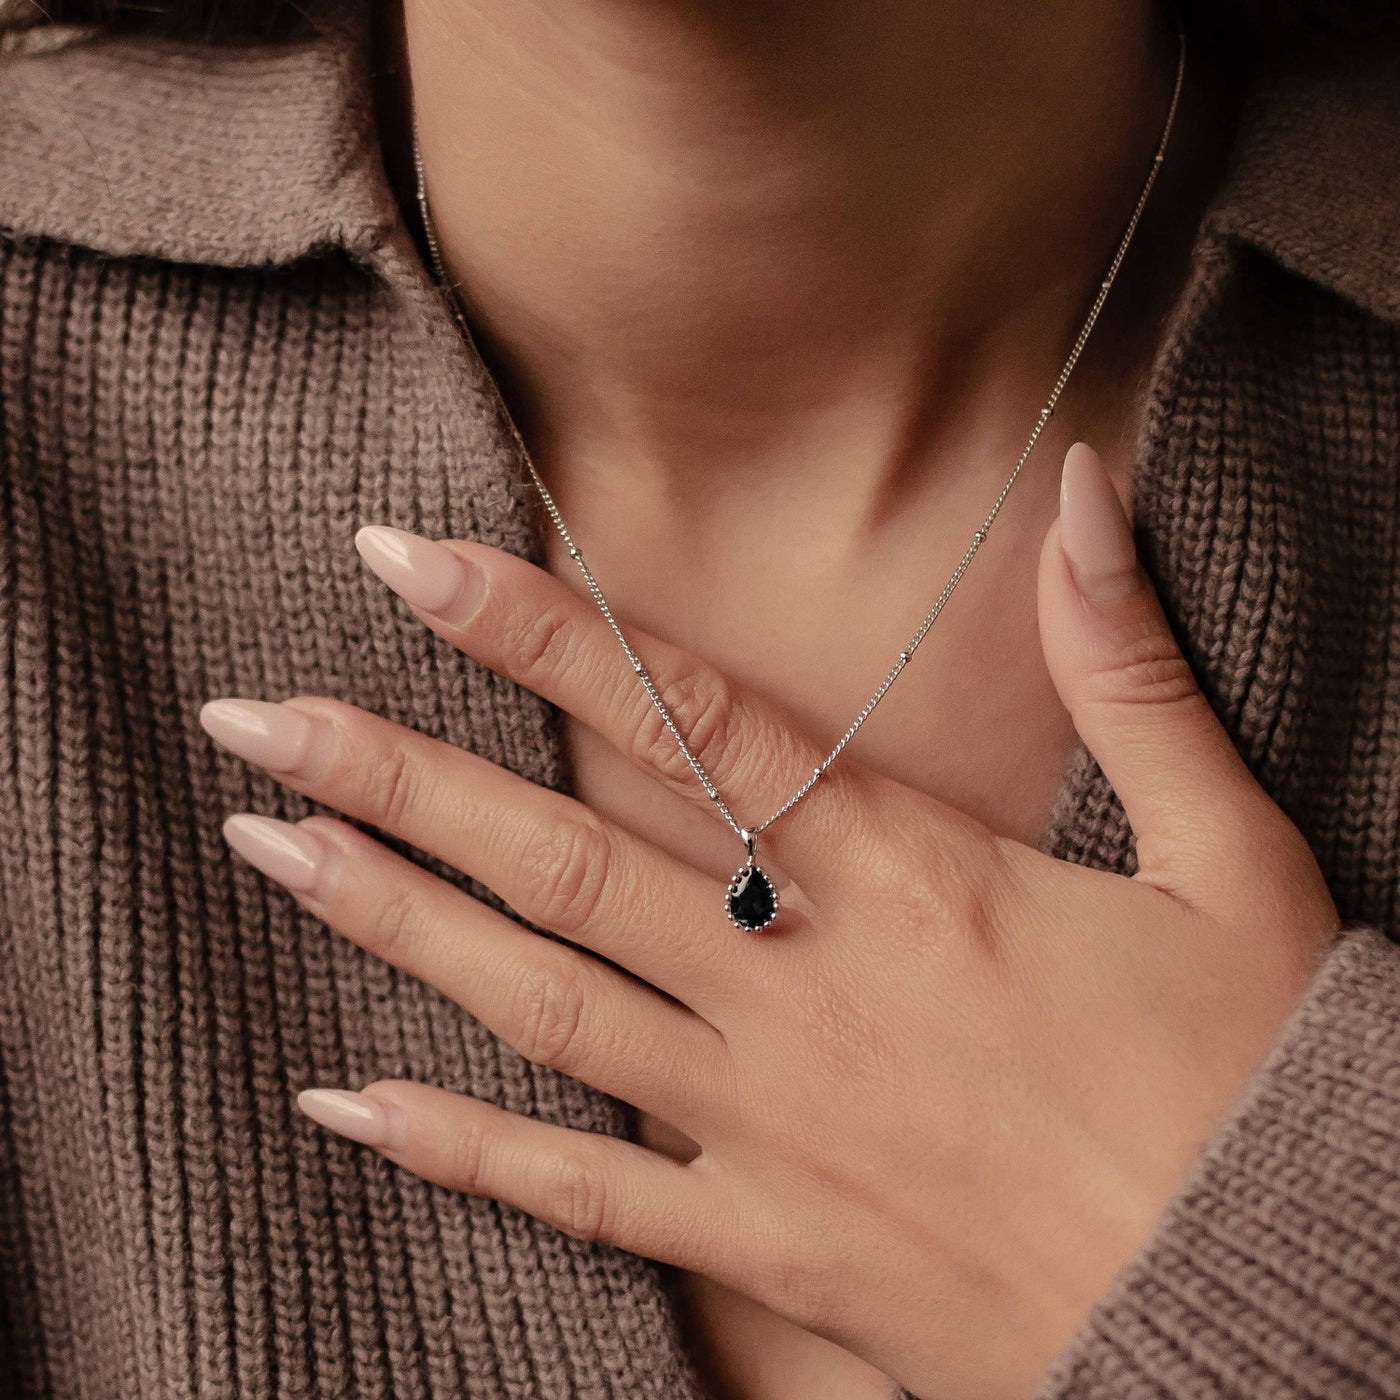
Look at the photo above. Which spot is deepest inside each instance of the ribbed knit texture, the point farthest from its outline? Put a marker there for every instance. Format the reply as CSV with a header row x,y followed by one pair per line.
x,y
220,354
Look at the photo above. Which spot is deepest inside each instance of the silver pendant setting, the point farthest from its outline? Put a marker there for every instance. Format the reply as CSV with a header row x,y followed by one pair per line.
x,y
751,900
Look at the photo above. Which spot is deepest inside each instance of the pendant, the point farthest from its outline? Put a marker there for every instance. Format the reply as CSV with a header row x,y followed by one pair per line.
x,y
751,902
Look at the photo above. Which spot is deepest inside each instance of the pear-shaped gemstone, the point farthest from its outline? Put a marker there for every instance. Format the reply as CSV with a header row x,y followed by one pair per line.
x,y
752,900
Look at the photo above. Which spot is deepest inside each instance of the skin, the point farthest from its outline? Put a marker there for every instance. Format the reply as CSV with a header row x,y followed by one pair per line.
x,y
912,1133
841,410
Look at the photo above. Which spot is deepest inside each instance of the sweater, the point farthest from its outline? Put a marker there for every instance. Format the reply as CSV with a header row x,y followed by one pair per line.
x,y
220,354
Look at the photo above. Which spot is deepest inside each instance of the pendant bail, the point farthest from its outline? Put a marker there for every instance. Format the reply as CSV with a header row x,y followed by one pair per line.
x,y
750,840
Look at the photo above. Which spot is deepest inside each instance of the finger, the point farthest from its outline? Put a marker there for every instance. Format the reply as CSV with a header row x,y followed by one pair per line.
x,y
523,622
592,1186
552,859
557,1006
1187,793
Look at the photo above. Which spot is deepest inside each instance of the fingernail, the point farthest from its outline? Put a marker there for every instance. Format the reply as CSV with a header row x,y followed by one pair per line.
x,y
270,735
422,572
354,1116
287,853
1094,529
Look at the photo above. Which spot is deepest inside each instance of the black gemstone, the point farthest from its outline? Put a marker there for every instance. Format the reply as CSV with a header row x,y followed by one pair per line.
x,y
753,902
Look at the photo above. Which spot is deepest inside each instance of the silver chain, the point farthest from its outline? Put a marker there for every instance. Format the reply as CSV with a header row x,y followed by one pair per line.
x,y
747,834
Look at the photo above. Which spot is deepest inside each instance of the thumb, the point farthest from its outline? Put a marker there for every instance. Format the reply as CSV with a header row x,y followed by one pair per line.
x,y
1187,793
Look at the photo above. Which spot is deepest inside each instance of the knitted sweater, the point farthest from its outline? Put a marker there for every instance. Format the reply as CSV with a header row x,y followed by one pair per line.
x,y
220,354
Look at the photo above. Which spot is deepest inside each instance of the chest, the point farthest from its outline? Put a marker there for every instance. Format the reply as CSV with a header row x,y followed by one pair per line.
x,y
973,720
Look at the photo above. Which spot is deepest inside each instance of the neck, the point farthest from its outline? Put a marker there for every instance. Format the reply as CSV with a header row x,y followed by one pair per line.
x,y
705,237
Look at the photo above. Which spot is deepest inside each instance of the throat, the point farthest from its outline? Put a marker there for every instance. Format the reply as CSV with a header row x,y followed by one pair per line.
x,y
775,237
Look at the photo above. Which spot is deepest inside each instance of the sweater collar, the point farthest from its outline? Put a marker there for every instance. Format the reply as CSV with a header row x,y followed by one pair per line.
x,y
264,154
228,155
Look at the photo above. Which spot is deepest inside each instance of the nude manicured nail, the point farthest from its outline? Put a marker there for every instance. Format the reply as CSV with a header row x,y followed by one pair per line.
x,y
422,572
281,850
354,1116
270,735
1094,529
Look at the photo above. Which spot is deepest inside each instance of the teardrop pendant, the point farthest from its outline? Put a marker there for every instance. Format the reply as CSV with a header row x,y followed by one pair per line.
x,y
751,901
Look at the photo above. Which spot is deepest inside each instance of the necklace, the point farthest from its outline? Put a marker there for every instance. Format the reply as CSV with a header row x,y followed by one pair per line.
x,y
751,899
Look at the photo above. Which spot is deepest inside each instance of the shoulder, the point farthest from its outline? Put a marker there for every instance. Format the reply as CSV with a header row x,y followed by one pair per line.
x,y
1314,179
234,155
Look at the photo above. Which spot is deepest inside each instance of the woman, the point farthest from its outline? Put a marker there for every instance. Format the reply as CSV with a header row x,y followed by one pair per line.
x,y
1058,1057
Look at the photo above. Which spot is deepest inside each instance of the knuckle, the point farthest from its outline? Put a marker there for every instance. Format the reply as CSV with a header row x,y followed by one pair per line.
x,y
974,859
545,643
547,1013
981,878
1149,669
778,1258
338,764
392,784
396,924
958,905
704,708
469,1158
942,876
579,1197
567,872
795,1283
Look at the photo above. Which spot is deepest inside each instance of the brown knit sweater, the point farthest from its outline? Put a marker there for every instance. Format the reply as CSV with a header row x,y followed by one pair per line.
x,y
220,354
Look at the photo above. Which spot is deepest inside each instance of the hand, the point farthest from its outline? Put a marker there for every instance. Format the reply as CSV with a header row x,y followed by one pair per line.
x,y
944,1099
